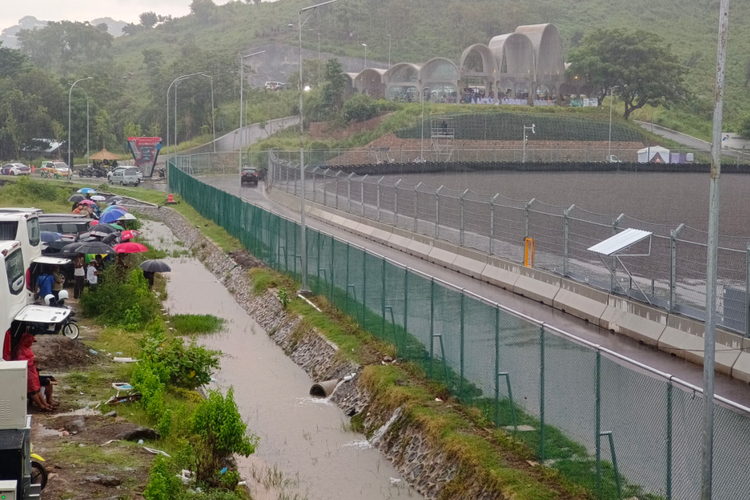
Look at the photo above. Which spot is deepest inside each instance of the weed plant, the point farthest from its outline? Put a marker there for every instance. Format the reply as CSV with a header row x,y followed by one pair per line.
x,y
191,324
122,299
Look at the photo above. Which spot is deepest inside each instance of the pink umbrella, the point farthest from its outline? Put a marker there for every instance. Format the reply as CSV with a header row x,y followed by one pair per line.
x,y
130,248
86,202
126,235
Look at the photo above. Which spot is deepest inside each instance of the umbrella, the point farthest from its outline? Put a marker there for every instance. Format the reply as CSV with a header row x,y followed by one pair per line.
x,y
77,197
111,216
107,228
86,202
117,226
114,207
94,222
87,191
155,266
127,216
126,235
130,248
71,248
48,236
98,197
95,247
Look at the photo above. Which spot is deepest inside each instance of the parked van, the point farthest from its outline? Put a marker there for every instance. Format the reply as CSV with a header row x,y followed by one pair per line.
x,y
65,224
12,281
22,226
125,176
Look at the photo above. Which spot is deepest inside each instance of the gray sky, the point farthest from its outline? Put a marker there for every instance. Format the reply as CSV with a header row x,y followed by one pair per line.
x,y
86,10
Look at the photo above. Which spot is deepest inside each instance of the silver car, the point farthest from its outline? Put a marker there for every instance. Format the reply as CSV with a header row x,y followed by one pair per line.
x,y
15,169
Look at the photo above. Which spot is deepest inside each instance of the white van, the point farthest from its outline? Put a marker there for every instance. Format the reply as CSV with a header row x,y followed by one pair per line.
x,y
21,225
12,280
125,176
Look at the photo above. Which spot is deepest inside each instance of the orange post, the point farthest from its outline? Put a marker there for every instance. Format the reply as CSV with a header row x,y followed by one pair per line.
x,y
528,254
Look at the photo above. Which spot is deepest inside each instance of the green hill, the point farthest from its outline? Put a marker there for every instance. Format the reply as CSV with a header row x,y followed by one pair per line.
x,y
420,30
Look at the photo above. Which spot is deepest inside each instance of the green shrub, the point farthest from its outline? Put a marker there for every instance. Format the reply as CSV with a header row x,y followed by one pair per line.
x,y
30,191
163,484
123,301
189,324
360,107
219,432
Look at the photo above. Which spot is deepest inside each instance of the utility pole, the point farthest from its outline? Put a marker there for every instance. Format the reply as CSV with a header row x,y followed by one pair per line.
x,y
533,131
709,338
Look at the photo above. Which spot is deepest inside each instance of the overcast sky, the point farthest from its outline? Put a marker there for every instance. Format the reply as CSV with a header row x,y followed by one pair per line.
x,y
86,10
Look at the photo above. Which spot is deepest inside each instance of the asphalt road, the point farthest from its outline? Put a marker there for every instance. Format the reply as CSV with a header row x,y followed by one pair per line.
x,y
691,142
725,386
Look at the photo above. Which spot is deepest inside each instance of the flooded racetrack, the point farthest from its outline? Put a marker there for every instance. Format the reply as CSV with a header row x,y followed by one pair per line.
x,y
306,449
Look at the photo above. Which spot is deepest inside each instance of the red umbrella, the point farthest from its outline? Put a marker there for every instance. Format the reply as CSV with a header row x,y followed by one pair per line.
x,y
130,248
94,222
126,235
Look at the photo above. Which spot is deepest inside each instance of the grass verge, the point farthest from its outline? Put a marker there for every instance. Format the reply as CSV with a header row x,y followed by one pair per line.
x,y
191,324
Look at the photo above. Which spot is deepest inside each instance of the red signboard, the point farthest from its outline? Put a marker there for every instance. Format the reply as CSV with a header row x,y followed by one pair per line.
x,y
145,150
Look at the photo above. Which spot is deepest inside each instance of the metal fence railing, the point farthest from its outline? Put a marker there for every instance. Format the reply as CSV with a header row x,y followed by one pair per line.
x,y
614,426
672,277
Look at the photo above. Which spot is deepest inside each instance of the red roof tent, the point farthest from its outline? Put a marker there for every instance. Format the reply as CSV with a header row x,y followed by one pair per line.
x,y
145,151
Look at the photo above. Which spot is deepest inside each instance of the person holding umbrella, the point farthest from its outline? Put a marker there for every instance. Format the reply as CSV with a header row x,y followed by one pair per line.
x,y
151,267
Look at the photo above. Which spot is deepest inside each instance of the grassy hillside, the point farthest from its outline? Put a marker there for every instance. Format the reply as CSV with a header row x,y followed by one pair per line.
x,y
421,29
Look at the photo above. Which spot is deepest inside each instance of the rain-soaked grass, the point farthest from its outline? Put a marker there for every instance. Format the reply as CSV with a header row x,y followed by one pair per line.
x,y
191,324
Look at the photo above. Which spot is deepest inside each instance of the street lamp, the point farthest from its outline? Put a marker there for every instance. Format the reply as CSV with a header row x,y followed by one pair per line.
x,y
213,114
303,228
87,124
609,155
421,144
179,78
365,46
389,51
70,93
533,131
242,87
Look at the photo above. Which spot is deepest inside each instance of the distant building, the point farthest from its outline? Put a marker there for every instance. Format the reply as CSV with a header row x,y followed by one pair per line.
x,y
47,148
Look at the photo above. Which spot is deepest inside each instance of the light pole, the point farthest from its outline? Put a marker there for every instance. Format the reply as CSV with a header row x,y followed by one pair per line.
x,y
389,51
242,86
421,143
709,346
365,46
70,93
533,131
609,155
303,228
179,78
87,124
213,117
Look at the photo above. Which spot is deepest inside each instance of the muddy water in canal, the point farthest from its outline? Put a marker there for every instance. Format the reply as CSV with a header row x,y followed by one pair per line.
x,y
306,450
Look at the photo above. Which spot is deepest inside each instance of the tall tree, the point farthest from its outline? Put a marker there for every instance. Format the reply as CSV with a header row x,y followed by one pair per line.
x,y
334,86
204,10
149,19
639,64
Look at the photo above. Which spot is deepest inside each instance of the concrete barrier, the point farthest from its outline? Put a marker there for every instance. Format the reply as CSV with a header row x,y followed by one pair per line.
x,y
399,242
468,266
683,337
380,236
537,285
581,301
364,229
741,368
499,276
636,321
418,249
441,257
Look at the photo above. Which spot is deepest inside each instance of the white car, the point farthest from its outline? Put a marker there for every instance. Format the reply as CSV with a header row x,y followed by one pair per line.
x,y
613,159
15,169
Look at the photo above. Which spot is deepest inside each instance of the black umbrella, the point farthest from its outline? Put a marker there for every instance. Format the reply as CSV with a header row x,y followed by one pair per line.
x,y
104,228
77,197
71,248
95,247
110,238
155,266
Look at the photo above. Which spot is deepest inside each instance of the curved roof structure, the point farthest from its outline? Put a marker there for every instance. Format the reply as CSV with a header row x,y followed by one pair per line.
x,y
515,55
488,61
403,73
548,51
439,69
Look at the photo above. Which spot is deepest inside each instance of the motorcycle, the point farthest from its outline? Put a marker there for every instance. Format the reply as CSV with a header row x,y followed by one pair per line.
x,y
38,472
68,326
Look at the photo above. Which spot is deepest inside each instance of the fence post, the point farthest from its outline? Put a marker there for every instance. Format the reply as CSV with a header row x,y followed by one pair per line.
x,y
598,424
415,206
271,172
747,291
461,231
613,264
395,203
492,221
462,349
673,235
541,394
437,213
286,183
314,191
432,323
362,193
325,190
669,439
336,204
406,309
364,287
526,220
379,181
295,182
346,284
566,239
349,191
382,303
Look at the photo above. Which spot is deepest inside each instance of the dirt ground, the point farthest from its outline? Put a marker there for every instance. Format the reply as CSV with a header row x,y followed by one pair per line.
x,y
80,446
322,130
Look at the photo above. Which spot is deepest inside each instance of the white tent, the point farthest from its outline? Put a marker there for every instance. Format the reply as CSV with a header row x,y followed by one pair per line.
x,y
646,155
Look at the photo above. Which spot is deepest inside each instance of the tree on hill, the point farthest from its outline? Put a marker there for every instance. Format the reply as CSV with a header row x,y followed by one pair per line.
x,y
149,19
12,62
334,86
204,10
639,64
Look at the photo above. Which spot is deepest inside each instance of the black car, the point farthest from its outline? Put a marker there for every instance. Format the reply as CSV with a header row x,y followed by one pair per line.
x,y
250,176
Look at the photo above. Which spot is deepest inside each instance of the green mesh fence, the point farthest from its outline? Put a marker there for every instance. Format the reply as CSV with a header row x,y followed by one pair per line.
x,y
618,430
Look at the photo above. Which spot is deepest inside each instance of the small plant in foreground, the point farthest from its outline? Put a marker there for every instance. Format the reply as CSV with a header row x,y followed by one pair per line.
x,y
283,296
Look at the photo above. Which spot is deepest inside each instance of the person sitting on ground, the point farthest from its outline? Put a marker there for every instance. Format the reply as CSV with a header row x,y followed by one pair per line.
x,y
92,275
34,382
59,283
44,284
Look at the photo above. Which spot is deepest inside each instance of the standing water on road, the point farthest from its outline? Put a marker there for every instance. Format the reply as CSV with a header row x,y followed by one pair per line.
x,y
306,450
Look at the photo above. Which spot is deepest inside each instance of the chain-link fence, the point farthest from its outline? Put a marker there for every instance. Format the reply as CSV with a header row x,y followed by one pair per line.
x,y
615,427
672,277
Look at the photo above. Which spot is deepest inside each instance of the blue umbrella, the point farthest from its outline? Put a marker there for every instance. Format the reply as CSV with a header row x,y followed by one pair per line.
x,y
48,236
112,207
87,191
111,216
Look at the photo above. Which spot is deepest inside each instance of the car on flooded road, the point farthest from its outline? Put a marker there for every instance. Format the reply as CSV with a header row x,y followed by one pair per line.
x,y
249,176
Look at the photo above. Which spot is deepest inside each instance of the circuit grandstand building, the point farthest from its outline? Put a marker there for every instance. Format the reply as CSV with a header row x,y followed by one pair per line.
x,y
523,67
